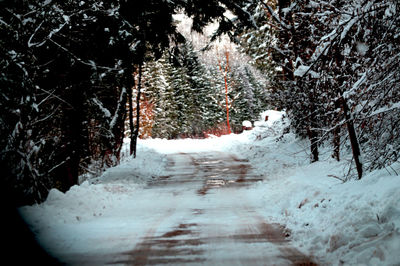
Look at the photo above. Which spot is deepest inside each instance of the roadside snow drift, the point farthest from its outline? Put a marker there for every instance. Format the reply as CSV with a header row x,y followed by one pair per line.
x,y
352,223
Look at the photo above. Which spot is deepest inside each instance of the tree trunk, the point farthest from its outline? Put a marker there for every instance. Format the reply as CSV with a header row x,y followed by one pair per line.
x,y
314,145
353,138
130,113
313,134
135,136
336,144
313,137
74,137
225,73
285,36
336,135
227,104
117,126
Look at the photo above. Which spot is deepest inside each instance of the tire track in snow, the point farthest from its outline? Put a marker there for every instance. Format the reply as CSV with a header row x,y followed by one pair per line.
x,y
202,187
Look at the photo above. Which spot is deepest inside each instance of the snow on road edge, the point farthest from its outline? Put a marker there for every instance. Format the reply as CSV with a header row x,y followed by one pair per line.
x,y
353,223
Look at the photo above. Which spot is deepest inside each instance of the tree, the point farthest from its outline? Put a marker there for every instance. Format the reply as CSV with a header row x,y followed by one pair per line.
x,y
136,132
57,73
66,69
251,96
225,70
329,79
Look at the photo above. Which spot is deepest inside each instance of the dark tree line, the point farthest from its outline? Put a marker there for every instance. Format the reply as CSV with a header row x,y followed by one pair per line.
x,y
66,69
63,85
334,68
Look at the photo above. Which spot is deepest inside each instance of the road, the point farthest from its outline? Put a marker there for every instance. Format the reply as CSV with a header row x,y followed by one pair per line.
x,y
207,218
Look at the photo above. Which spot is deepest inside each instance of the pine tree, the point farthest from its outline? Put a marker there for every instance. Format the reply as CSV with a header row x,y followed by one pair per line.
x,y
200,85
245,103
66,70
157,88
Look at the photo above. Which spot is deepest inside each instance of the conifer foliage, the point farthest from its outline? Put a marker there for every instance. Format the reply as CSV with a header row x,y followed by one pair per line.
x,y
336,73
189,97
66,70
62,92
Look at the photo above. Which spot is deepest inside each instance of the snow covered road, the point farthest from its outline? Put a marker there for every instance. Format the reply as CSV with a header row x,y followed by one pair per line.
x,y
201,202
210,218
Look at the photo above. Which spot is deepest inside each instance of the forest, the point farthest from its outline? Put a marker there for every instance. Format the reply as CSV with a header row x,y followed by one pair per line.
x,y
79,76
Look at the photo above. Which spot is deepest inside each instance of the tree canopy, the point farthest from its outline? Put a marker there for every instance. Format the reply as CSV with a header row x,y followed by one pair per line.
x,y
66,67
67,70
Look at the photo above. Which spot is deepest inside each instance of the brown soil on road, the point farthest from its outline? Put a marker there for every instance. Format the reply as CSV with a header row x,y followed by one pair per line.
x,y
213,223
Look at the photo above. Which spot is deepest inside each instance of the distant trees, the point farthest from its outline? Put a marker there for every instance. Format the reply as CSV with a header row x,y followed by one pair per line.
x,y
189,97
336,66
248,94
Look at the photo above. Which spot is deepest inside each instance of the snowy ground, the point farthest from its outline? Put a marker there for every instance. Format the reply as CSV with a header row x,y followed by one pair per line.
x,y
352,223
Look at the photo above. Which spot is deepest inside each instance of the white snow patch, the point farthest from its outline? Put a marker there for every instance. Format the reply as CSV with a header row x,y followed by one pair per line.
x,y
247,124
362,48
301,71
352,223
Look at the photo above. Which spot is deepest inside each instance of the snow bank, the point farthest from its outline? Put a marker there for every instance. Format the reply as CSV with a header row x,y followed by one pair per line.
x,y
148,164
352,223
230,142
80,203
247,124
213,143
71,223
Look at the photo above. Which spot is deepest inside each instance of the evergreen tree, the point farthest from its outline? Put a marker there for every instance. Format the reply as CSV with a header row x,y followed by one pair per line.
x,y
214,109
251,97
158,89
66,70
327,73
199,83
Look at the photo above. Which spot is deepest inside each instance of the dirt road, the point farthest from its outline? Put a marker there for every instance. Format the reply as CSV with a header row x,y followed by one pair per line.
x,y
208,219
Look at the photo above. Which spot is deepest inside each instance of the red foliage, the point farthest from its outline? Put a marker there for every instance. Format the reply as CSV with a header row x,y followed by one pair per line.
x,y
219,130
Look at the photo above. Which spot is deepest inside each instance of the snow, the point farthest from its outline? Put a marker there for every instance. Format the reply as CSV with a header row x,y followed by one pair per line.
x,y
247,124
301,70
386,109
347,27
46,2
351,223
130,169
105,111
115,117
362,48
